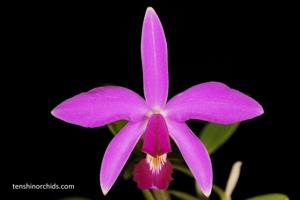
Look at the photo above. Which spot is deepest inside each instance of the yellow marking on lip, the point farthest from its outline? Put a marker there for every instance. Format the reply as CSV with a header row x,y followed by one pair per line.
x,y
156,162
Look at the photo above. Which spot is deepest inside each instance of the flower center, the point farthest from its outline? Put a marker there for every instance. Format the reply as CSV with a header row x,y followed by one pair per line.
x,y
156,143
156,137
154,171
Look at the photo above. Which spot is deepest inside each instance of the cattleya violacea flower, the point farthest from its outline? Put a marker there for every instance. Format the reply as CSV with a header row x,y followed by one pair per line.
x,y
154,120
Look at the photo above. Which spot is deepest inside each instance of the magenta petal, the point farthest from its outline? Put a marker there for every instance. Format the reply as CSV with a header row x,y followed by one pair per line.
x,y
148,180
156,136
194,153
118,152
213,102
101,106
154,60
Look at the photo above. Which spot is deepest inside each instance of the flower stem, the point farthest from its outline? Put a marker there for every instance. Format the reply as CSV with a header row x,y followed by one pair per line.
x,y
161,194
148,195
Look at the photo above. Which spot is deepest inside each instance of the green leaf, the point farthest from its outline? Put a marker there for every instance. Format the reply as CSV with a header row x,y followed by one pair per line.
x,y
219,192
215,135
183,195
182,169
115,127
128,169
148,195
274,196
198,190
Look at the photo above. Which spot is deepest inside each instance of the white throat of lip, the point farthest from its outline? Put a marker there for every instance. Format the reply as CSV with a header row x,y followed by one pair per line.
x,y
156,163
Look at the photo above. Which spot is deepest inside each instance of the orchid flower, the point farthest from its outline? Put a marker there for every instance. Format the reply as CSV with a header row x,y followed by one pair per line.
x,y
154,120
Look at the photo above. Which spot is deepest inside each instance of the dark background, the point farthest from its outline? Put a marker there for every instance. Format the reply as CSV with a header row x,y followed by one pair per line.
x,y
59,50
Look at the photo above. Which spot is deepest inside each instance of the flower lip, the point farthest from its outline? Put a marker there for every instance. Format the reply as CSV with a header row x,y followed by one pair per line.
x,y
146,179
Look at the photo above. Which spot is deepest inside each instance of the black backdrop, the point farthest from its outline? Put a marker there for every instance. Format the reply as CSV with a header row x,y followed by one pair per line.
x,y
59,50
